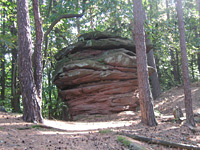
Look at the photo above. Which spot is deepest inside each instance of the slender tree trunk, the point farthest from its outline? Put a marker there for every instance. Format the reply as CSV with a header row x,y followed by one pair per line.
x,y
38,60
177,66
174,63
167,6
15,89
198,62
30,97
147,111
3,72
49,9
173,58
50,98
91,18
156,90
192,66
184,61
77,19
38,48
198,54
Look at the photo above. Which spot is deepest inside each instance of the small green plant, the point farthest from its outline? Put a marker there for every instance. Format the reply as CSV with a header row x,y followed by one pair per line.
x,y
124,141
106,131
36,126
24,128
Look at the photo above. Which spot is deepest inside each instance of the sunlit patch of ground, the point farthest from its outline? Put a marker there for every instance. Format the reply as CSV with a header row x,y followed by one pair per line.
x,y
82,126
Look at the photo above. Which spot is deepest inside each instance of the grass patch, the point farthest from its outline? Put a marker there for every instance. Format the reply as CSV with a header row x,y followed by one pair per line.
x,y
106,131
36,126
124,141
33,126
24,128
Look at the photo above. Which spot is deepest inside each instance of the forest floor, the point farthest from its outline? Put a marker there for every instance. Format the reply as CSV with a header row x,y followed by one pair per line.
x,y
99,132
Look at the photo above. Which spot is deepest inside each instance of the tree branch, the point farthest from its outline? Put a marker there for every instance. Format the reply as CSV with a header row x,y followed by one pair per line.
x,y
55,22
160,142
58,19
65,16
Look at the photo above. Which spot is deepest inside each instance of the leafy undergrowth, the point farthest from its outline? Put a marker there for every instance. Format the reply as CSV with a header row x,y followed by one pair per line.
x,y
99,132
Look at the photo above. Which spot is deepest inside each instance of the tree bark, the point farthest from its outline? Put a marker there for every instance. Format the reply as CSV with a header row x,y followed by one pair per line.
x,y
175,71
50,98
38,70
78,26
147,111
38,59
198,54
49,9
30,97
15,90
184,61
198,61
3,72
91,18
156,90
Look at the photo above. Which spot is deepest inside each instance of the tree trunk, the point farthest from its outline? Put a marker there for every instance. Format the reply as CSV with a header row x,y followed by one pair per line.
x,y
147,111
198,54
167,7
156,90
192,66
38,48
3,72
38,60
30,97
175,71
50,98
184,61
15,89
78,26
174,63
49,9
198,61
91,18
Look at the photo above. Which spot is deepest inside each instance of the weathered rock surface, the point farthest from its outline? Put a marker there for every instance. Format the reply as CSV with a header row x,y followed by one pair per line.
x,y
98,75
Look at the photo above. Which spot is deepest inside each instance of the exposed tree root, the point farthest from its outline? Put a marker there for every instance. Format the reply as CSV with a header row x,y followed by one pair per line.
x,y
160,142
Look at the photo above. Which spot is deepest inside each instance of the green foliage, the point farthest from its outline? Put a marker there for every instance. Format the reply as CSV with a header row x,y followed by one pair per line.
x,y
36,126
105,131
124,141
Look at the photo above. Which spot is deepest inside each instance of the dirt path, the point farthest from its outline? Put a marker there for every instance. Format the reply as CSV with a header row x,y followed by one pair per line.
x,y
86,134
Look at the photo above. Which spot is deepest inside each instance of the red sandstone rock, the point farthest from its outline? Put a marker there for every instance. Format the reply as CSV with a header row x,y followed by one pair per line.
x,y
98,76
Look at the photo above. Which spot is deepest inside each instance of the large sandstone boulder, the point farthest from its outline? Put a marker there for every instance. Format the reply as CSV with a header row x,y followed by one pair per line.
x,y
98,75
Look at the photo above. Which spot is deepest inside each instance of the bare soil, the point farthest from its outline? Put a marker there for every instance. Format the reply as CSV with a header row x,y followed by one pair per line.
x,y
93,132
